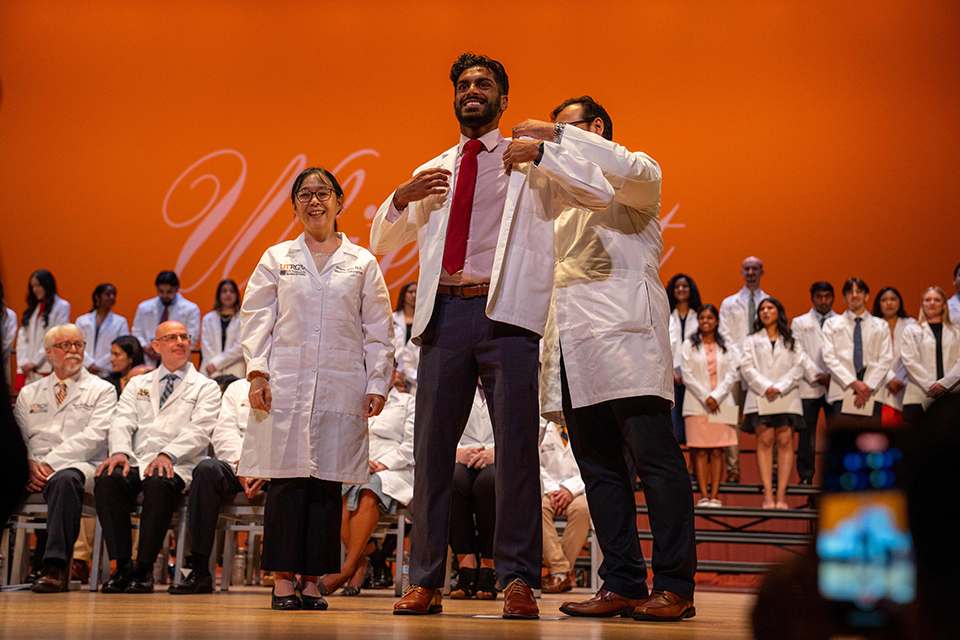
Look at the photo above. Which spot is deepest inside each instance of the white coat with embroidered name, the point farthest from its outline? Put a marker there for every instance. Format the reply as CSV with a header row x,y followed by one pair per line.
x,y
73,435
143,429
324,340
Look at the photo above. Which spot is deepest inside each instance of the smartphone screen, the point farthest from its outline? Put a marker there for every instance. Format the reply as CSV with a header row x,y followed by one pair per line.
x,y
864,545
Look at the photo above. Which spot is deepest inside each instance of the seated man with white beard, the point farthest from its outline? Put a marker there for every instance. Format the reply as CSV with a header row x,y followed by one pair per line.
x,y
161,431
64,419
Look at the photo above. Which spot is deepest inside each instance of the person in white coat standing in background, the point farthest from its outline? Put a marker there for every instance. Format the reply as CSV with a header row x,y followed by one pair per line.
x,y
772,364
100,328
220,350
8,335
888,305
168,305
931,355
64,419
684,298
45,310
318,342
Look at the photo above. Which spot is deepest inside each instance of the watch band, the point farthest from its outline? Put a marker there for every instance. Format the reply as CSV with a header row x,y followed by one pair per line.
x,y
558,132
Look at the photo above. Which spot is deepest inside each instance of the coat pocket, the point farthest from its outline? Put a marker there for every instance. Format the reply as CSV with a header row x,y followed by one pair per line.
x,y
285,376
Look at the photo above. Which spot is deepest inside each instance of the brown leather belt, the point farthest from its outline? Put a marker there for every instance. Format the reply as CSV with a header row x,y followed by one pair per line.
x,y
464,291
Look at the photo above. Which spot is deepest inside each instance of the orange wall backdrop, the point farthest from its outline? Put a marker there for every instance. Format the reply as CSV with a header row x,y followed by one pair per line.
x,y
141,136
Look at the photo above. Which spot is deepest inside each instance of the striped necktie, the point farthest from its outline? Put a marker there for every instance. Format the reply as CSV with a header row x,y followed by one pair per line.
x,y
61,392
167,390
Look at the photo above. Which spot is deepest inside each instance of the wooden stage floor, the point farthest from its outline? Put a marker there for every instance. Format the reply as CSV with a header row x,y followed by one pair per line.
x,y
244,612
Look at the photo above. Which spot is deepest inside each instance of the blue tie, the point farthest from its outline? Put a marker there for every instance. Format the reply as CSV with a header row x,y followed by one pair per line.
x,y
169,388
858,350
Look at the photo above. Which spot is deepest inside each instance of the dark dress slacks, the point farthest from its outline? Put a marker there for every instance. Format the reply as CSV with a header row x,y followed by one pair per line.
x,y
64,496
474,498
600,434
213,480
459,345
807,443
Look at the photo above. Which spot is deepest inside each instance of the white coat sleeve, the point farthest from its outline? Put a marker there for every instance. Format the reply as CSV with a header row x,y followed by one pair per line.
x,y
725,321
376,321
258,315
386,236
750,371
232,351
401,457
60,314
208,346
192,323
581,183
910,356
227,439
24,353
733,374
84,446
139,329
838,370
194,436
690,381
547,484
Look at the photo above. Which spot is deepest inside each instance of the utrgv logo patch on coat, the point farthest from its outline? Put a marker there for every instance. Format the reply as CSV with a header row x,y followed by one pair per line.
x,y
39,407
292,269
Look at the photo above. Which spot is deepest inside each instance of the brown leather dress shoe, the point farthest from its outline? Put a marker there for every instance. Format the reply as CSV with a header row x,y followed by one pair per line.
x,y
604,604
419,601
664,606
519,603
52,580
557,583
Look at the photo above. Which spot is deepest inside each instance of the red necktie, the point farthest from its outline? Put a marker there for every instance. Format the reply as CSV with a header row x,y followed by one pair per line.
x,y
455,249
166,314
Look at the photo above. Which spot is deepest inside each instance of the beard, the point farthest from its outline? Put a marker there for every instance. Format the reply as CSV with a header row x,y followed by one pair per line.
x,y
71,366
487,114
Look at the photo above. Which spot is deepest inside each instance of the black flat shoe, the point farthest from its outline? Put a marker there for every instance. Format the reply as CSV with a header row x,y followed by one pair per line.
x,y
193,583
285,603
119,580
140,586
312,603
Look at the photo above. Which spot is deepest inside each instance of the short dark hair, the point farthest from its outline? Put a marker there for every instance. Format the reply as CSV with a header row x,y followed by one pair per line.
x,y
860,284
591,111
822,285
469,60
167,277
901,312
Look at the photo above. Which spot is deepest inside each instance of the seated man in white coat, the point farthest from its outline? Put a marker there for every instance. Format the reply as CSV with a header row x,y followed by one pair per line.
x,y
213,480
64,419
161,431
563,495
168,305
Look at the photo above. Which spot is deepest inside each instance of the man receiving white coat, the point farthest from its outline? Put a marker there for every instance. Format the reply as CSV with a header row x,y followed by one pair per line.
x,y
168,305
64,419
608,366
858,353
161,431
486,270
808,332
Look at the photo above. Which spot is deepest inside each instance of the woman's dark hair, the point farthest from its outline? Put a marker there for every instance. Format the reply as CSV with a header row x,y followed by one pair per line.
x,y
217,305
901,312
403,295
694,292
324,175
98,292
131,346
49,284
697,338
782,325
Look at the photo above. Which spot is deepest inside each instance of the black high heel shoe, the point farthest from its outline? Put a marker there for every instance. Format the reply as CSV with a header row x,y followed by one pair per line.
x,y
285,603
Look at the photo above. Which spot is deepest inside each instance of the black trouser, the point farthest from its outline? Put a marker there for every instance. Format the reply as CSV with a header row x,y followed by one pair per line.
x,y
301,526
807,443
116,495
212,481
64,496
459,344
599,435
474,492
676,414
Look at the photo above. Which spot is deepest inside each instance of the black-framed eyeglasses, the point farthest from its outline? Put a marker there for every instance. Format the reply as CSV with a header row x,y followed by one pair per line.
x,y
304,196
174,337
67,346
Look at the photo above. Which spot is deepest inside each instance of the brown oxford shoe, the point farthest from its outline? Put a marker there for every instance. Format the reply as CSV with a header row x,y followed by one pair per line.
x,y
557,583
664,606
52,580
604,604
519,603
419,601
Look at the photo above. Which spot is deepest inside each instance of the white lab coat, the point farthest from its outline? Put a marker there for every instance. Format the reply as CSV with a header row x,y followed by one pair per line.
x,y
897,369
918,349
227,438
98,344
734,315
30,337
609,311
763,366
696,377
229,360
148,316
325,340
558,466
399,330
391,443
182,428
522,279
479,429
73,435
408,363
9,336
838,352
953,306
690,327
809,336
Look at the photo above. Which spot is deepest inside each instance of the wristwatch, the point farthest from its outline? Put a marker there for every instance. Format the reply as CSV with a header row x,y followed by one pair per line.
x,y
558,132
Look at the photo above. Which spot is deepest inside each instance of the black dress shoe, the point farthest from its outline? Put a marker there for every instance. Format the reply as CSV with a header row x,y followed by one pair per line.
x,y
312,603
193,583
140,586
285,603
52,580
119,580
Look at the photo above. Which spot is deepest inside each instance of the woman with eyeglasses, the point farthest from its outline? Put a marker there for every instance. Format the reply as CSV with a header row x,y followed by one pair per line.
x,y
45,309
318,342
100,328
220,350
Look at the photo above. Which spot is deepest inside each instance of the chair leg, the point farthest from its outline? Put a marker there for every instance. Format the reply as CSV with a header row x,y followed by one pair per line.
x,y
181,546
229,551
4,556
21,553
97,553
596,558
398,567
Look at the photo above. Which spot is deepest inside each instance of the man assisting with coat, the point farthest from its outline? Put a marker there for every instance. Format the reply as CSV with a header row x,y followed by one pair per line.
x,y
607,365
